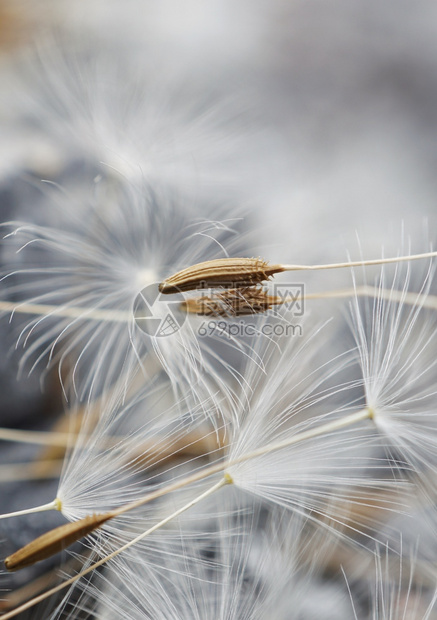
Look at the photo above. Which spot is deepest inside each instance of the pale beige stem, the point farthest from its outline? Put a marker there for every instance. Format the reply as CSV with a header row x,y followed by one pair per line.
x,y
36,437
425,301
359,263
71,312
54,505
329,427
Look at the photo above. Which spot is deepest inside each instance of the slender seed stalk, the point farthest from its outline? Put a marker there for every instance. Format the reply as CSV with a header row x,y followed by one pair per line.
x,y
360,263
71,312
54,505
424,300
36,437
329,427
229,304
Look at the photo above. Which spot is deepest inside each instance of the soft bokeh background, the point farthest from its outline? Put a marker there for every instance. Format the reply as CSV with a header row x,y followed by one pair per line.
x,y
343,92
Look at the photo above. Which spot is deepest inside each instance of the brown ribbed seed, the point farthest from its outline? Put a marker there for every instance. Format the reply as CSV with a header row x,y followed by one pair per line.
x,y
222,272
54,541
233,302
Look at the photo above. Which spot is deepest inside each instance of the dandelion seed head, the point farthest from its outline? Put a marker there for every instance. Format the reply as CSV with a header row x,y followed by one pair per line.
x,y
321,475
394,332
90,278
160,126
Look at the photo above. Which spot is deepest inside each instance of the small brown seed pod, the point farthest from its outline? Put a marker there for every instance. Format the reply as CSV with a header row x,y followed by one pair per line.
x,y
232,303
54,541
222,272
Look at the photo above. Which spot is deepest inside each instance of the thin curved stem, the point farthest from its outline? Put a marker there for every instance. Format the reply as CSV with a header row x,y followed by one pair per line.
x,y
54,505
360,263
71,312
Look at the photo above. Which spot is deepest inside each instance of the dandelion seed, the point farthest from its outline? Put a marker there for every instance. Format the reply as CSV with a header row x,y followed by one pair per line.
x,y
248,272
116,454
304,452
87,284
398,365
